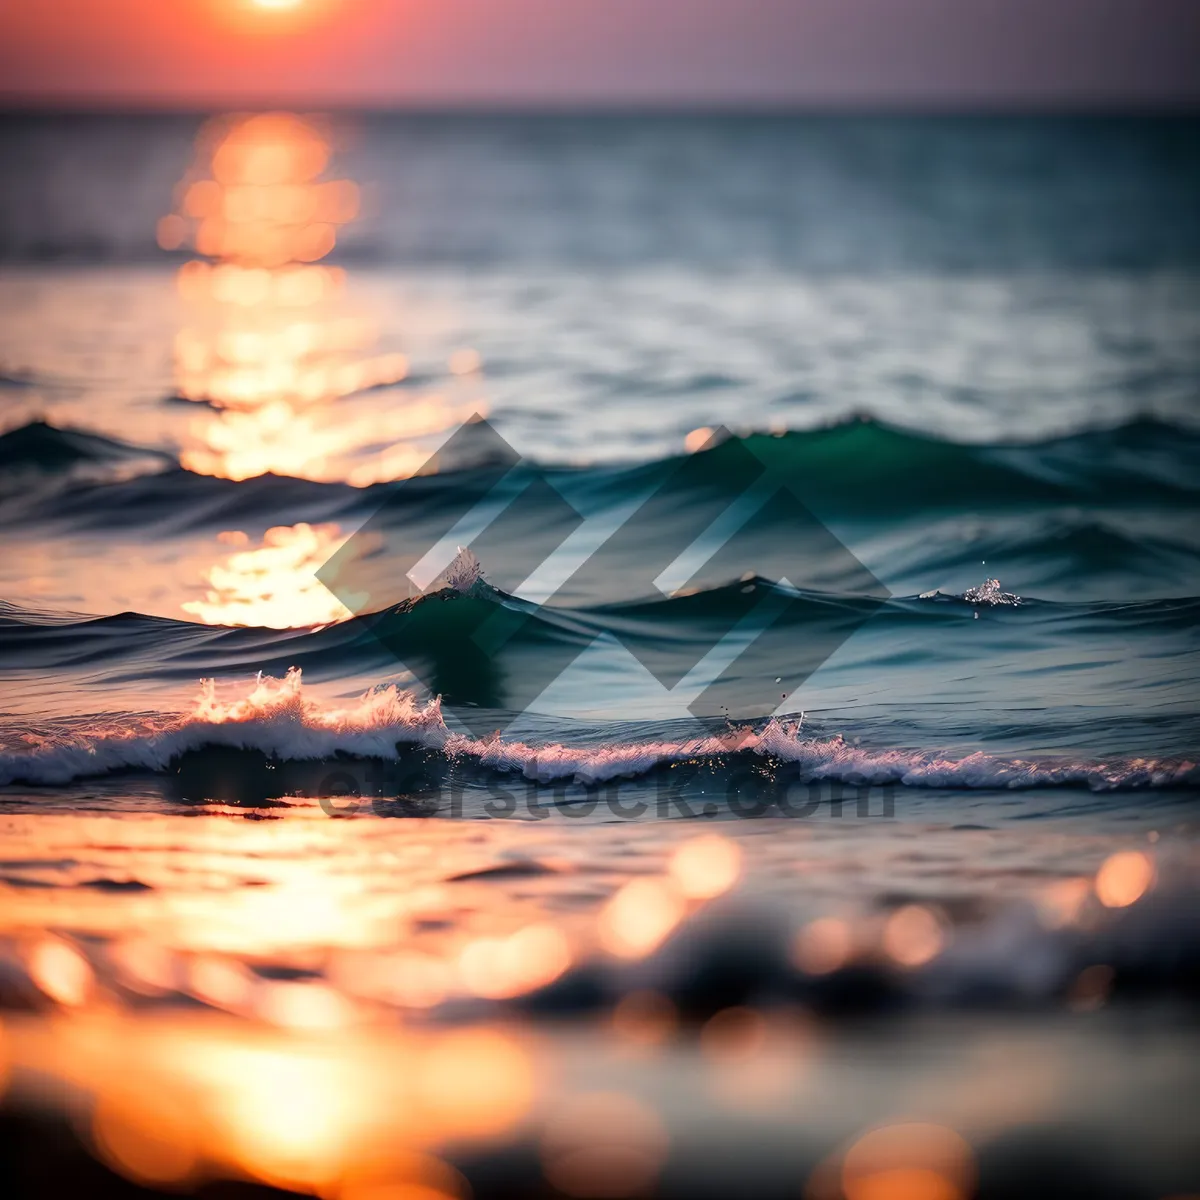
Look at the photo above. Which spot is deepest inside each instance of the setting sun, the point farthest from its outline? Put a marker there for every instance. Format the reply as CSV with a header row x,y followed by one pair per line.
x,y
277,17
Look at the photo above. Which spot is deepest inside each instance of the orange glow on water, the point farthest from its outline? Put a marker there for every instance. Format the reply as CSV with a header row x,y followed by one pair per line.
x,y
475,1083
823,946
1124,878
155,1147
287,1118
273,348
221,983
409,1176
640,917
530,958
913,935
645,1018
61,972
1061,902
604,1144
296,286
410,979
264,203
320,444
706,867
274,585
909,1162
144,966
303,1005
732,1034
177,1100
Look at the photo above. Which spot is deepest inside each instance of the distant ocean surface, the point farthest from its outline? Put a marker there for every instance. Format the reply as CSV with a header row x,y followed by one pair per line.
x,y
969,346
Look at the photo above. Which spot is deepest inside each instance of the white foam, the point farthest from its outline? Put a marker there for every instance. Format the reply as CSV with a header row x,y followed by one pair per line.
x,y
278,719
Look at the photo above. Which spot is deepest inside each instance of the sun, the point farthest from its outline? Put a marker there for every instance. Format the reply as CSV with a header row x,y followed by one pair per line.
x,y
275,16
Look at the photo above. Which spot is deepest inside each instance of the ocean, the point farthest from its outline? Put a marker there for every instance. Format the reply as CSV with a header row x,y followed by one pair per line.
x,y
612,654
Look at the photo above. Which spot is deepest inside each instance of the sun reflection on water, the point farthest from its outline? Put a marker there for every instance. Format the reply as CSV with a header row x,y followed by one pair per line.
x,y
194,1100
273,347
274,584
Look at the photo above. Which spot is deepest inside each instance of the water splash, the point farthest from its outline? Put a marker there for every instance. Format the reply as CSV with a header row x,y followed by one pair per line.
x,y
989,593
463,574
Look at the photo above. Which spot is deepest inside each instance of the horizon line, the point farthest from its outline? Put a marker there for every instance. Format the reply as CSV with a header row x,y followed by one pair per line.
x,y
83,104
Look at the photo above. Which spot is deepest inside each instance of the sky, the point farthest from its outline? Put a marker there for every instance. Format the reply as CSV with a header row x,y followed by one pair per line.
x,y
439,53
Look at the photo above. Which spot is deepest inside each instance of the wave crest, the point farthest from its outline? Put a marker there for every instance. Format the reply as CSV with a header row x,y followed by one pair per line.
x,y
278,720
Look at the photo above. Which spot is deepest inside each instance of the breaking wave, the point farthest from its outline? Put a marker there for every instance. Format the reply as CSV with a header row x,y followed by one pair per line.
x,y
278,720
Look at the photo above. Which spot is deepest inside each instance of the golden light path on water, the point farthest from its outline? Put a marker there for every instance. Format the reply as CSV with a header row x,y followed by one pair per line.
x,y
273,346
280,360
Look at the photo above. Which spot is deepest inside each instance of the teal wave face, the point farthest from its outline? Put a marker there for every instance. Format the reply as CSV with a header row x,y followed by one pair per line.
x,y
852,462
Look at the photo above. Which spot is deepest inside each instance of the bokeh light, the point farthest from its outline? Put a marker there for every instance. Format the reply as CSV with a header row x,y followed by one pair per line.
x,y
732,1034
61,972
152,1146
530,958
913,935
640,917
706,867
1124,878
823,946
603,1144
909,1161
645,1018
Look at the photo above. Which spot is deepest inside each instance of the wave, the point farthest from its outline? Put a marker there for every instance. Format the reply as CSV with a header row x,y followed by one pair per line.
x,y
1062,552
40,446
447,620
173,499
278,721
861,464
859,467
